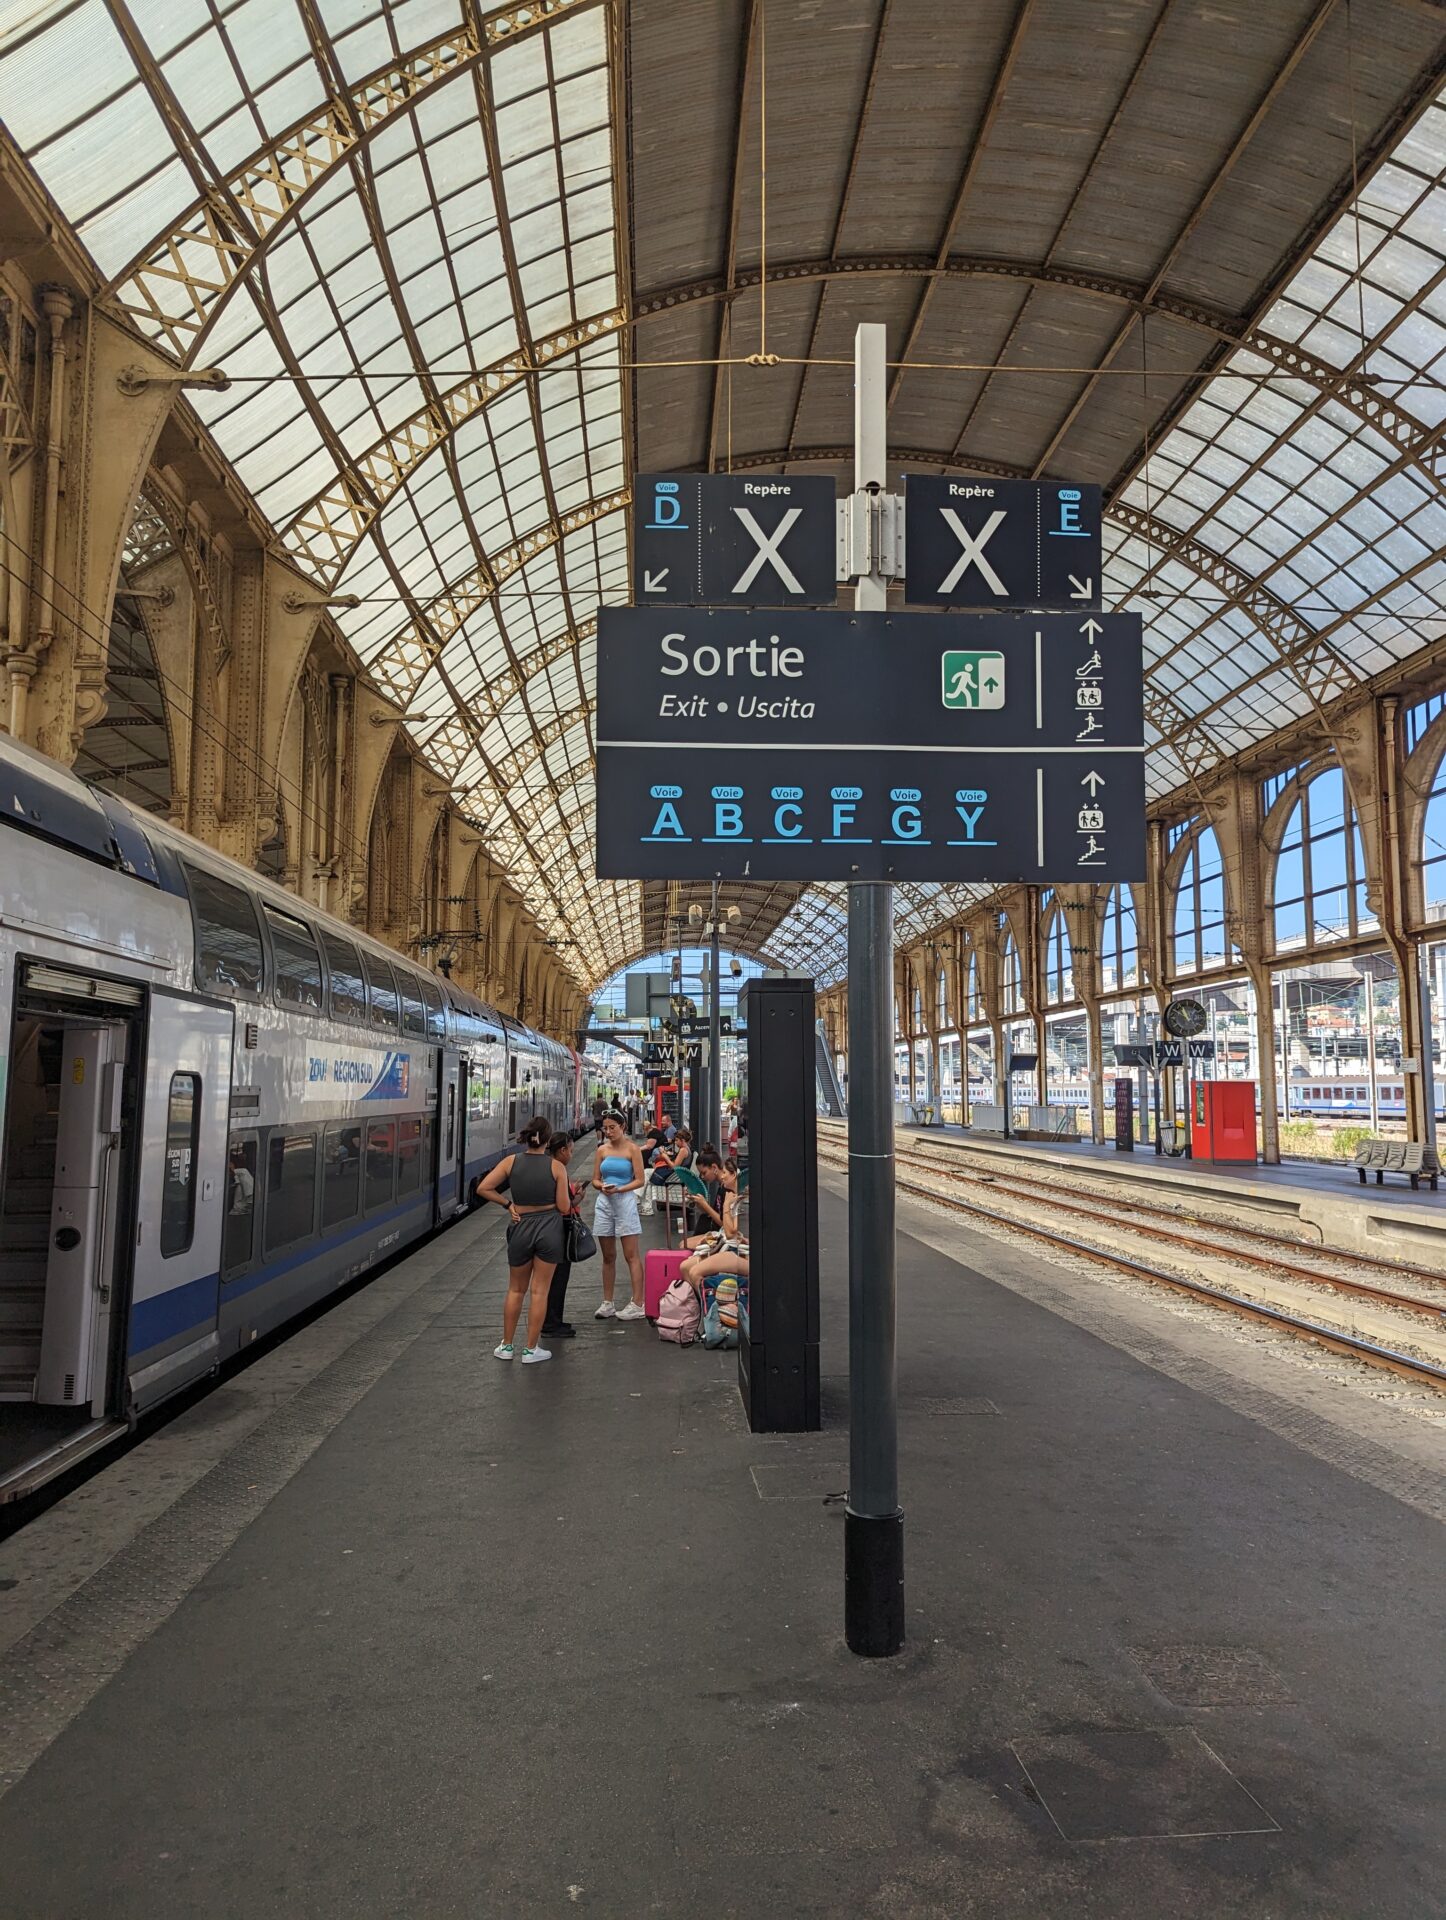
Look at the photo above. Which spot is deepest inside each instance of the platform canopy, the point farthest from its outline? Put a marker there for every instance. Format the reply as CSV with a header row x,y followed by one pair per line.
x,y
441,250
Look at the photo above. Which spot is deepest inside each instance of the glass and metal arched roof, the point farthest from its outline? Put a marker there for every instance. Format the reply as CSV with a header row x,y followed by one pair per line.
x,y
429,239
395,229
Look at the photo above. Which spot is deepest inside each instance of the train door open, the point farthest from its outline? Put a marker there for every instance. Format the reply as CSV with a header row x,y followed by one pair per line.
x,y
182,1194
65,1183
452,1136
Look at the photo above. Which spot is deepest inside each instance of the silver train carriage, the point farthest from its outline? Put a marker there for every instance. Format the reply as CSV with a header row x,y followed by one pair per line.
x,y
219,1105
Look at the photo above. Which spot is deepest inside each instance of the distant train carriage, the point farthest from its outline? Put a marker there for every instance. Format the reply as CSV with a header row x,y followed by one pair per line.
x,y
219,1104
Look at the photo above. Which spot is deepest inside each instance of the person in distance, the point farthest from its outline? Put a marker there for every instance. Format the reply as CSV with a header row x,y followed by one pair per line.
x,y
618,1177
556,1326
539,1201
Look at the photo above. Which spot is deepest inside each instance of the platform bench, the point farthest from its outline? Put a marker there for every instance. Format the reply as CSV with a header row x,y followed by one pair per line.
x,y
1408,1157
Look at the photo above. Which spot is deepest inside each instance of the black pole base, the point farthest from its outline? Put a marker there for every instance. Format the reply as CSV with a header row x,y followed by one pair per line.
x,y
874,1584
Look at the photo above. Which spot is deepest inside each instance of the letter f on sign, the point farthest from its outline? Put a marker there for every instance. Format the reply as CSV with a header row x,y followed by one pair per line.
x,y
973,551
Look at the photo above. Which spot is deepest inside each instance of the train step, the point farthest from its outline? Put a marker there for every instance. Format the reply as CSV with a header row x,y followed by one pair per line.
x,y
24,1233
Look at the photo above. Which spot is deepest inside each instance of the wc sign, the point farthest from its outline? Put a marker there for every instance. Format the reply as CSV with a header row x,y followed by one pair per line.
x,y
734,540
1006,544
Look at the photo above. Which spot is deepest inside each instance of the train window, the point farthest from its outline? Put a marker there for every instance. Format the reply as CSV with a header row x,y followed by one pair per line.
x,y
240,1241
381,1151
228,940
340,1176
348,989
178,1183
382,992
290,1188
414,1014
298,964
451,1118
433,999
409,1157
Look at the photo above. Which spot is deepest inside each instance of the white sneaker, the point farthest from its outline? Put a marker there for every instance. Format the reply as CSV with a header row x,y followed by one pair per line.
x,y
531,1355
607,1311
504,1352
632,1311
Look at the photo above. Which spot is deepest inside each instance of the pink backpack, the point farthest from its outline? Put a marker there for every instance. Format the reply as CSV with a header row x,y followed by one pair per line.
x,y
679,1314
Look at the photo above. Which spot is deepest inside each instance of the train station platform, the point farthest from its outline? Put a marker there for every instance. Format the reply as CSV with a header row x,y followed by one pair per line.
x,y
1321,1200
382,1627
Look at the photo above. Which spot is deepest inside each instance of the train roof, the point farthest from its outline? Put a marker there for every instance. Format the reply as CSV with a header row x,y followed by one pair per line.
x,y
40,796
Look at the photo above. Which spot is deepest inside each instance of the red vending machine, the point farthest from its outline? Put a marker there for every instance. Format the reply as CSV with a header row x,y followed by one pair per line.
x,y
1222,1120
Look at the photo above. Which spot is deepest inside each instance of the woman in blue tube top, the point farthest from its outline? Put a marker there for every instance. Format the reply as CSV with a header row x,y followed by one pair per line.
x,y
618,1177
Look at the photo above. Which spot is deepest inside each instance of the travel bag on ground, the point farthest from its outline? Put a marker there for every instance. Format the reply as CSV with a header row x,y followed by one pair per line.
x,y
661,1267
679,1314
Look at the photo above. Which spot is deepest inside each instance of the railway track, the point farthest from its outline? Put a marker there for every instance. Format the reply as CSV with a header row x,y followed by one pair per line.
x,y
1023,1188
1335,1340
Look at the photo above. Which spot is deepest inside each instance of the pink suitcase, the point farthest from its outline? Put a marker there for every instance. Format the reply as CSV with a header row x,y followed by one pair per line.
x,y
661,1268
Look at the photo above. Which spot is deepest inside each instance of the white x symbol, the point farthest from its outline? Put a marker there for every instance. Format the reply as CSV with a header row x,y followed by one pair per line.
x,y
768,550
973,554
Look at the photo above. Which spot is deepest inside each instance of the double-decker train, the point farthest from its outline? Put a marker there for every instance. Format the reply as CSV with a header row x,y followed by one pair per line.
x,y
219,1104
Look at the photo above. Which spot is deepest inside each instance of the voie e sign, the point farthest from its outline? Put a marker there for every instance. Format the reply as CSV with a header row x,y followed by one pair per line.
x,y
850,745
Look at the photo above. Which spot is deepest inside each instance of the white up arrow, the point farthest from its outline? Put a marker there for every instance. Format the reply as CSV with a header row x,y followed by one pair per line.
x,y
1081,589
653,582
1093,628
1094,781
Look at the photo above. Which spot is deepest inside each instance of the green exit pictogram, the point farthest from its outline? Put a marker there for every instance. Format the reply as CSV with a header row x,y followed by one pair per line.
x,y
973,679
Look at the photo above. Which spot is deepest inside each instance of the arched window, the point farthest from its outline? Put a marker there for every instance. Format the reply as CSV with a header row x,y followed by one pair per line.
x,y
941,999
1011,981
970,1010
1433,840
1058,960
1320,874
1200,941
1119,942
918,1026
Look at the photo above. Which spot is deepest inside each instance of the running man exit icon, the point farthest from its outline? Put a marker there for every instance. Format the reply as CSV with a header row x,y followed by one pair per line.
x,y
973,680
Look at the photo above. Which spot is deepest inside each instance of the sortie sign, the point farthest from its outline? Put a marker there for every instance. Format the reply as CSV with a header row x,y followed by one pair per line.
x,y
852,746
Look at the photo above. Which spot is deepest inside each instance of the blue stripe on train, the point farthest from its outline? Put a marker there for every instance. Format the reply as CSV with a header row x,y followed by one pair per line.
x,y
193,1307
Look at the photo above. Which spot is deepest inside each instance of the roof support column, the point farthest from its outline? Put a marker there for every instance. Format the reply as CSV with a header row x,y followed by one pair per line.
x,y
1405,945
99,435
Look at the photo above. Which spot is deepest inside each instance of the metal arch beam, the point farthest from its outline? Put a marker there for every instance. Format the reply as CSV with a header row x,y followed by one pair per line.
x,y
326,531
511,770
1398,425
181,282
1302,44
422,639
999,87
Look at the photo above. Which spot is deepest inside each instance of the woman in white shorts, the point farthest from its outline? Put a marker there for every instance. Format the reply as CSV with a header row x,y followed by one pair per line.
x,y
618,1177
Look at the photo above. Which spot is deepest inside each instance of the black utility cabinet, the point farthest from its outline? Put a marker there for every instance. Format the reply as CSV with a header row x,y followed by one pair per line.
x,y
778,1354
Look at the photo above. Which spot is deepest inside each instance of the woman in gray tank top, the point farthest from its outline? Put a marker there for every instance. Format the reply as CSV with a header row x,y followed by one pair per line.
x,y
539,1202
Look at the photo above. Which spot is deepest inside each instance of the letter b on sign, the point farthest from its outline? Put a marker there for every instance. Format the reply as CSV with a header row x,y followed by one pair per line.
x,y
727,819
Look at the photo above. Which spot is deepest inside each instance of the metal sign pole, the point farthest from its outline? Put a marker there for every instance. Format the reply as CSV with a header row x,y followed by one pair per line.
x,y
715,1037
874,1521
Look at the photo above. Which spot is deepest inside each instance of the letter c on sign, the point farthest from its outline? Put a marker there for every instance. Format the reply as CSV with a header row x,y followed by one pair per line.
x,y
787,832
908,823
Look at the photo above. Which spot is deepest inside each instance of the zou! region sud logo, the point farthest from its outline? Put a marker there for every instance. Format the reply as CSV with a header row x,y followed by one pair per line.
x,y
972,681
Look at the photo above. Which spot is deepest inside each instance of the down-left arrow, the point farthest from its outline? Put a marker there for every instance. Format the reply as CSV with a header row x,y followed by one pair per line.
x,y
653,582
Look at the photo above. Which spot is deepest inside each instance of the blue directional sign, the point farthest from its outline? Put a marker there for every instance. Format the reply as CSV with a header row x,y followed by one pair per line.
x,y
741,540
869,746
1001,543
